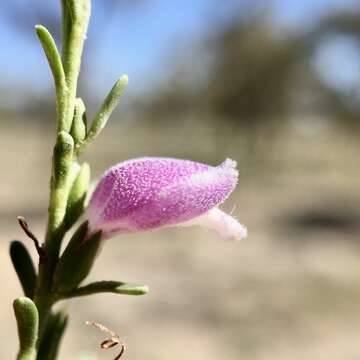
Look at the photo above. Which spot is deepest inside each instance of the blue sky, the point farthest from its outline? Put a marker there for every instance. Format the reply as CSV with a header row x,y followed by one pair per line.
x,y
138,42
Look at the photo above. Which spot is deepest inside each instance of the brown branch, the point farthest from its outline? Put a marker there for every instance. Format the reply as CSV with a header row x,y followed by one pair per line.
x,y
24,225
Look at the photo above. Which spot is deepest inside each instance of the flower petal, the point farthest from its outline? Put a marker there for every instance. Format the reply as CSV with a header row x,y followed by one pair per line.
x,y
149,193
215,219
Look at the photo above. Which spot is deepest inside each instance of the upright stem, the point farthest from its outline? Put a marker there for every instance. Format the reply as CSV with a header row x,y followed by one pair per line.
x,y
76,15
60,185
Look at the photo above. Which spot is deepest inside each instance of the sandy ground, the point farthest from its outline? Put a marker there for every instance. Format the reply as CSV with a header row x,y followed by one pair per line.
x,y
289,291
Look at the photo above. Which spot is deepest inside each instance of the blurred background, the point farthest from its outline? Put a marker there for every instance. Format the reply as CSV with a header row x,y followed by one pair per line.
x,y
272,84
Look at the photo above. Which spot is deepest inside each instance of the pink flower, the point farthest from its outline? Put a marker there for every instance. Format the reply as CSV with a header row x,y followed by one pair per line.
x,y
150,193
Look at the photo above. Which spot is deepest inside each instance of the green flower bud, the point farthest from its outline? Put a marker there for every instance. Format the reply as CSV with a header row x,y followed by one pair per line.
x,y
79,124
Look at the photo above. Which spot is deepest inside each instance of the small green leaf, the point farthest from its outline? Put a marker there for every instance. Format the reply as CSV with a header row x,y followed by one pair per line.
x,y
27,319
115,287
105,112
52,54
77,195
24,267
57,69
76,261
52,335
76,240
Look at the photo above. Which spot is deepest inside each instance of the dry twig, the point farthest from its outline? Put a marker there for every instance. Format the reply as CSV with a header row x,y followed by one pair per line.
x,y
109,343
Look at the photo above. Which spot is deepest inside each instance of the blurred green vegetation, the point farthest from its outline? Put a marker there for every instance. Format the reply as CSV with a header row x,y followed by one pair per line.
x,y
246,74
255,78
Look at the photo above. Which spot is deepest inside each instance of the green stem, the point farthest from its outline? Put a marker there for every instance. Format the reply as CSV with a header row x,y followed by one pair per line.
x,y
66,24
60,186
76,15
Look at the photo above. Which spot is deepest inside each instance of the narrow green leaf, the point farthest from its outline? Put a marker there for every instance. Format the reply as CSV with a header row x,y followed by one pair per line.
x,y
77,195
76,261
115,287
105,112
57,69
24,267
52,335
76,240
27,319
52,54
